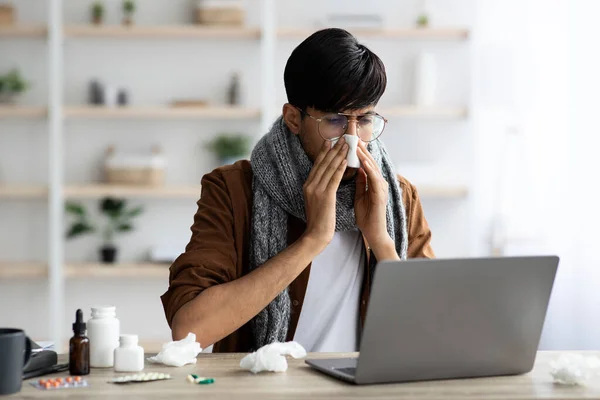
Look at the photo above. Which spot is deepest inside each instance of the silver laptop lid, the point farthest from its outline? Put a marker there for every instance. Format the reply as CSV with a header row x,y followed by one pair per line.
x,y
438,319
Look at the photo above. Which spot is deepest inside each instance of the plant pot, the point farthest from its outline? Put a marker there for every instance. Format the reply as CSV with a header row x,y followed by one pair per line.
x,y
96,20
128,20
108,254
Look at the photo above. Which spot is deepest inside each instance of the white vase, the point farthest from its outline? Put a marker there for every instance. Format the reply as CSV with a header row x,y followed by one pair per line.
x,y
425,80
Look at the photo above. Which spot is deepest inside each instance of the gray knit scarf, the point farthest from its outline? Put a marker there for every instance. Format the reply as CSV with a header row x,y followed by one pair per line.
x,y
280,167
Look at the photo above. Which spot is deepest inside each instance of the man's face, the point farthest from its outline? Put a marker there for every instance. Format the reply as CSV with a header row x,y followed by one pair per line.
x,y
307,129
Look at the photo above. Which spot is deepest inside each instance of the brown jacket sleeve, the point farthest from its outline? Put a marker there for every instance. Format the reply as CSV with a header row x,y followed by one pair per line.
x,y
419,234
210,258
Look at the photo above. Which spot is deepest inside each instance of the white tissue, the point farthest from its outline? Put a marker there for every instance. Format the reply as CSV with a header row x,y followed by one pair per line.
x,y
179,353
352,157
573,369
271,357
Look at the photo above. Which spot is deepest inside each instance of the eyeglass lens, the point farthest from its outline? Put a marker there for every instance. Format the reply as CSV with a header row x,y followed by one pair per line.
x,y
369,127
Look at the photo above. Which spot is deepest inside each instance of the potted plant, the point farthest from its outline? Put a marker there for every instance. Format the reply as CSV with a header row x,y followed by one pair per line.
x,y
128,10
97,13
230,148
423,21
118,216
11,85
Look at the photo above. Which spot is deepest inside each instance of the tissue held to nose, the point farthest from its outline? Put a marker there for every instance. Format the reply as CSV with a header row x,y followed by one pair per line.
x,y
352,158
271,357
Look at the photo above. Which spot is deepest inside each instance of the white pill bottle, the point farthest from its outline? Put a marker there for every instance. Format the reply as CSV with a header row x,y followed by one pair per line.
x,y
103,331
129,357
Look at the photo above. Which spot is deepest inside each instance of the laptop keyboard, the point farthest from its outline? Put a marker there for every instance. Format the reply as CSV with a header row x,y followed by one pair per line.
x,y
350,371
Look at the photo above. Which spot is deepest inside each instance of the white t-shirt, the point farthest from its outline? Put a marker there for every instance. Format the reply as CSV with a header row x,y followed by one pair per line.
x,y
329,321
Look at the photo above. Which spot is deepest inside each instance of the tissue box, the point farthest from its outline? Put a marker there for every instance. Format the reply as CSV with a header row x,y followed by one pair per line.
x,y
135,169
220,12
7,14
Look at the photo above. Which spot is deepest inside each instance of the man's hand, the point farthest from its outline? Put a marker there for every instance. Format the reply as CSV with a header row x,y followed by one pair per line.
x,y
370,206
320,193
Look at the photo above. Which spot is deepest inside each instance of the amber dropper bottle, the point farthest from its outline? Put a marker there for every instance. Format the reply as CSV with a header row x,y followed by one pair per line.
x,y
79,348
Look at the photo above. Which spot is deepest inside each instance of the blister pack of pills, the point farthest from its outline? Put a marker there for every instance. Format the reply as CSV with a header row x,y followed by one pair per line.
x,y
141,378
71,382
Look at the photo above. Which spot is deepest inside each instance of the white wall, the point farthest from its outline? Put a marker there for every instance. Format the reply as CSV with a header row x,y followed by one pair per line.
x,y
158,71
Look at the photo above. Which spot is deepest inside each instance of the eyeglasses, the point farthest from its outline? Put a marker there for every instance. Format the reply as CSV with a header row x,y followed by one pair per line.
x,y
332,126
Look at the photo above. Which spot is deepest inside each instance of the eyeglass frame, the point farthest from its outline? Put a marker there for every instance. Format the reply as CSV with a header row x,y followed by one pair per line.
x,y
318,120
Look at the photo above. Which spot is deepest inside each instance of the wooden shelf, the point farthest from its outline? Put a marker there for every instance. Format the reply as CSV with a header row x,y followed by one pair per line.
x,y
443,192
22,192
23,31
22,270
22,112
167,192
209,112
125,270
175,31
407,33
424,112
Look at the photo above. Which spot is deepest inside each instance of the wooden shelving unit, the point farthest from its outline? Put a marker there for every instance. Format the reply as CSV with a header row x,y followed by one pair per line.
x,y
15,31
175,31
443,192
424,112
55,116
119,270
22,112
23,192
406,33
23,270
209,112
166,192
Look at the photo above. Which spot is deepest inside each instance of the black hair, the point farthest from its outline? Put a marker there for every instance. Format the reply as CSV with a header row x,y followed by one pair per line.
x,y
332,72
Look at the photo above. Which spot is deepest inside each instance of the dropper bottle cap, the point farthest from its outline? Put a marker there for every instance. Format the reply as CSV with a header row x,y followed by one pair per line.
x,y
79,326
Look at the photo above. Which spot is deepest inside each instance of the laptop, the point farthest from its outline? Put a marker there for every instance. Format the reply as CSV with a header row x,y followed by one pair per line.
x,y
446,319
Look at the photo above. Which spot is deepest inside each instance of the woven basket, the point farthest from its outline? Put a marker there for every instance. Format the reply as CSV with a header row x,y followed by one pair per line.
x,y
220,16
135,176
7,15
134,169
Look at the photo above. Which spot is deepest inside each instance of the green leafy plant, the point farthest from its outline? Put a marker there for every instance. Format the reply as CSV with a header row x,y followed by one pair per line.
x,y
13,83
119,219
128,6
228,145
97,11
423,21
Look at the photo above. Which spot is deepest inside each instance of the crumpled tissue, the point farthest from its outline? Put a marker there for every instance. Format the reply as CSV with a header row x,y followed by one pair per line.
x,y
271,357
573,369
179,353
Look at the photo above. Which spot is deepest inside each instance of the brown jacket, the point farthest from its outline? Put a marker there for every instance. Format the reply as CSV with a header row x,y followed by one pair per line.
x,y
218,251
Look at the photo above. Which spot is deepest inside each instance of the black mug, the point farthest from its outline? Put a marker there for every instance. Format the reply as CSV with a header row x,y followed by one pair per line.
x,y
15,352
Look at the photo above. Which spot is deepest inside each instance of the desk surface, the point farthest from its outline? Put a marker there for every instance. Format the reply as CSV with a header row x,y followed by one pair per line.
x,y
301,381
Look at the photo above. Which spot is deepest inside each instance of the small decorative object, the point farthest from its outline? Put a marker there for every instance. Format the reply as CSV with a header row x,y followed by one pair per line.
x,y
11,86
128,11
135,169
97,13
123,97
110,95
7,14
230,148
96,93
118,215
425,80
220,12
423,18
233,93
